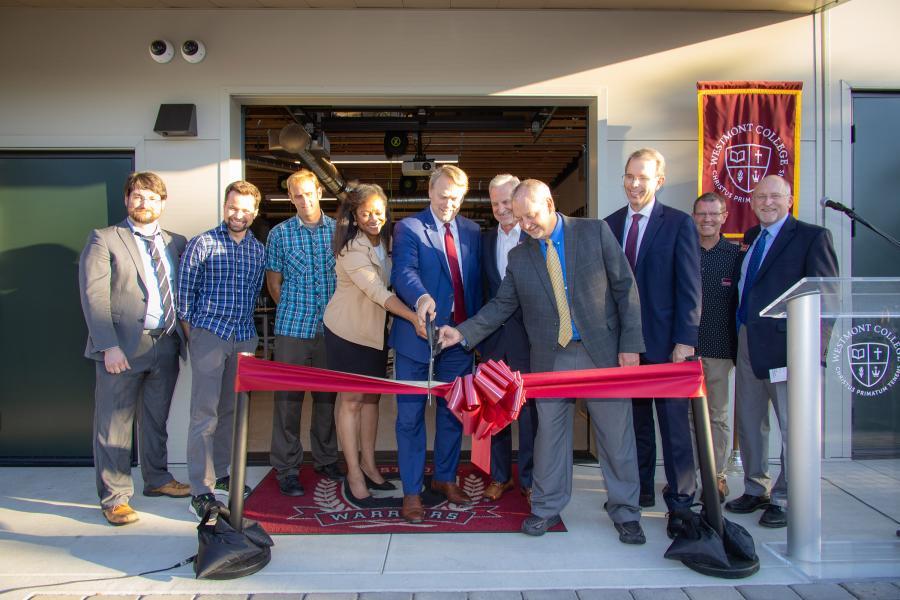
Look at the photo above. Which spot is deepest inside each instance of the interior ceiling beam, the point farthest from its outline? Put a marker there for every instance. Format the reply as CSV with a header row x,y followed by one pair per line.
x,y
383,124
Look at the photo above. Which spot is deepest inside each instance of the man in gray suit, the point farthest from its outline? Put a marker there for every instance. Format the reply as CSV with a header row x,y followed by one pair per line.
x,y
581,311
127,275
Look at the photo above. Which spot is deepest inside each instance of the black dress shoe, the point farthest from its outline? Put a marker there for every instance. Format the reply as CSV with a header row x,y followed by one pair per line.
x,y
368,501
647,500
746,503
775,517
535,525
631,532
331,471
383,486
290,486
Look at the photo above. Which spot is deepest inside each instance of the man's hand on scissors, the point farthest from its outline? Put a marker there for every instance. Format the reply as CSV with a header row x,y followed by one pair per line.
x,y
448,336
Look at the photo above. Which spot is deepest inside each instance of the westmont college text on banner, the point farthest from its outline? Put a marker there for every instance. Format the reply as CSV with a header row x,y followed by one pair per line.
x,y
748,129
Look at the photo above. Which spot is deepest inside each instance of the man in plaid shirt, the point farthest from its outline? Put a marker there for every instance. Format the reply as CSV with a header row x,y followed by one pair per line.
x,y
218,284
300,277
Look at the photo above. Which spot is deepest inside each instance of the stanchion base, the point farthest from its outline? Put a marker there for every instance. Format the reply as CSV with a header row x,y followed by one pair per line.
x,y
738,569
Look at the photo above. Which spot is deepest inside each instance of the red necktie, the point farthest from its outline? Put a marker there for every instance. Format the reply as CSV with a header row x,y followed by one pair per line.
x,y
459,298
631,242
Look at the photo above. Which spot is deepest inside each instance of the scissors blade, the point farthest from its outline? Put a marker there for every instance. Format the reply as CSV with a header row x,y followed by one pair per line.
x,y
429,330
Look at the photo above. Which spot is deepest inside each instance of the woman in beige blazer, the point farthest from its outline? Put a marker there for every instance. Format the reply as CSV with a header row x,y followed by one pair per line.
x,y
355,331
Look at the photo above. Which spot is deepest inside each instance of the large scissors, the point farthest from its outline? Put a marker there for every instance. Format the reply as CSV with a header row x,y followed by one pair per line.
x,y
432,343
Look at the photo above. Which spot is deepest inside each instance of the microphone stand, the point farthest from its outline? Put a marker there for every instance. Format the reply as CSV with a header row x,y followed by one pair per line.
x,y
857,218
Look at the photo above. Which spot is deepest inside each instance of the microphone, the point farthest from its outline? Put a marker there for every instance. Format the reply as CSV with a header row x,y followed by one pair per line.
x,y
829,203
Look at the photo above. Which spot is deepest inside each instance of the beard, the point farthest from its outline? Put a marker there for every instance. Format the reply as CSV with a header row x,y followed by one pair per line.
x,y
144,216
238,226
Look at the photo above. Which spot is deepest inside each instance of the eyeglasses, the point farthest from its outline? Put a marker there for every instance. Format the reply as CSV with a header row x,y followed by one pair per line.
x,y
708,215
769,196
643,180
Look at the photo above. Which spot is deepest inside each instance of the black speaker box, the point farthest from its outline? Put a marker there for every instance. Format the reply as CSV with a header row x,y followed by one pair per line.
x,y
176,120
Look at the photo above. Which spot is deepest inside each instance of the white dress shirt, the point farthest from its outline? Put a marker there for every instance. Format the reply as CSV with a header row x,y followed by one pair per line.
x,y
505,243
642,224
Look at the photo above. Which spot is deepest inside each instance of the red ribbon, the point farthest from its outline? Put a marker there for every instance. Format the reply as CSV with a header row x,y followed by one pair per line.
x,y
492,398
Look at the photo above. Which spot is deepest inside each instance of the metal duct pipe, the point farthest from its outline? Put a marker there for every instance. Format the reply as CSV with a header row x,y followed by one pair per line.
x,y
295,139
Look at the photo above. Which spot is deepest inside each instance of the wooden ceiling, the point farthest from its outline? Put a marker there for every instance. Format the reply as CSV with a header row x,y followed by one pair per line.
x,y
541,142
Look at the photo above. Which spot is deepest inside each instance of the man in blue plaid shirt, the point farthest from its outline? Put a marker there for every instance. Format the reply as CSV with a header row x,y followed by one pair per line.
x,y
218,284
300,277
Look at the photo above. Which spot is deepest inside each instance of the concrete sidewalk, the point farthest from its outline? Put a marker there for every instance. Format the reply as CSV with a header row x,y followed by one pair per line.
x,y
52,532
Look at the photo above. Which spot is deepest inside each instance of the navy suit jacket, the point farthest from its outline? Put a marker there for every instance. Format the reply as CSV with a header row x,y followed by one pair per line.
x,y
420,267
800,250
668,278
510,340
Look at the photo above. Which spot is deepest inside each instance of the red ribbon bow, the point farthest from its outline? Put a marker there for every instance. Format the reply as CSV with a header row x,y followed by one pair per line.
x,y
485,403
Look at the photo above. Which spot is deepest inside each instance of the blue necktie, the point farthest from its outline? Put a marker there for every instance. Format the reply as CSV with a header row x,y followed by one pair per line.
x,y
755,259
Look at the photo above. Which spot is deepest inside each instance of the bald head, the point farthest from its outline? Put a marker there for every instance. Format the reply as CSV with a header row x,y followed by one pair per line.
x,y
534,209
771,200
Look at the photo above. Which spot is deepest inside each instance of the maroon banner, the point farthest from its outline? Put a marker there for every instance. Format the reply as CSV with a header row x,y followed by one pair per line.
x,y
747,130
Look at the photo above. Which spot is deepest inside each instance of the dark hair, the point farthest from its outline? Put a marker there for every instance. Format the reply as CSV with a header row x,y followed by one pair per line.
x,y
346,228
711,197
145,181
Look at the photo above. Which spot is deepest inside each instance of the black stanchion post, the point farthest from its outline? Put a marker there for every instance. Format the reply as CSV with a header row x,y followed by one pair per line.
x,y
704,442
239,460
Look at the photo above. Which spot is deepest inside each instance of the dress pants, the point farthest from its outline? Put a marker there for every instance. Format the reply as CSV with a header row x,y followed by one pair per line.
x,y
146,389
501,443
211,431
611,424
286,454
716,371
410,427
752,396
677,446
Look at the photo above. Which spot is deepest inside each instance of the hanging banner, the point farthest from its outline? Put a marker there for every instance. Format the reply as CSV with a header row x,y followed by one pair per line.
x,y
748,129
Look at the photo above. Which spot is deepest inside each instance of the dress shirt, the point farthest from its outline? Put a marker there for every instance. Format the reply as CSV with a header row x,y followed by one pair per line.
x,y
219,283
505,243
642,224
773,231
155,314
303,256
557,238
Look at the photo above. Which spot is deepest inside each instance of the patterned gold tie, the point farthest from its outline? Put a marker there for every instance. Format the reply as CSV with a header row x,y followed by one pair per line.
x,y
559,291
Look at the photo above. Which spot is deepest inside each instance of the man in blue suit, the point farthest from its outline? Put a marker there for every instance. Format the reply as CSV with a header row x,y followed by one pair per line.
x,y
662,247
509,343
437,271
782,250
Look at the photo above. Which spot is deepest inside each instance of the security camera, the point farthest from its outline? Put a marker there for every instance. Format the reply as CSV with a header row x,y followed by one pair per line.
x,y
162,51
193,51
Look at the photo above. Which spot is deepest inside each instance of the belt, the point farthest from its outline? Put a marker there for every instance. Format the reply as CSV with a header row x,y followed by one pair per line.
x,y
159,331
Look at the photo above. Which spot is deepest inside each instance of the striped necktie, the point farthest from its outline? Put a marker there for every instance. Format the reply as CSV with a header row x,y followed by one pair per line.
x,y
162,278
554,268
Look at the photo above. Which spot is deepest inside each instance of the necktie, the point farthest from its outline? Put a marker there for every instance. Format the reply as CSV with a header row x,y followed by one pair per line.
x,y
559,292
162,278
459,297
752,267
632,240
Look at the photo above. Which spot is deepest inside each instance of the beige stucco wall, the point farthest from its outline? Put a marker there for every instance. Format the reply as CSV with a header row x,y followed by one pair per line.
x,y
84,79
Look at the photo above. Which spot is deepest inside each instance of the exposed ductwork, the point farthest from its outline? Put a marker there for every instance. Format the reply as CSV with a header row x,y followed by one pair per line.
x,y
296,140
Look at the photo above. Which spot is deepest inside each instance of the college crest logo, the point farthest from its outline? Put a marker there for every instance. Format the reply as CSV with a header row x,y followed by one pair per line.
x,y
866,359
747,164
868,362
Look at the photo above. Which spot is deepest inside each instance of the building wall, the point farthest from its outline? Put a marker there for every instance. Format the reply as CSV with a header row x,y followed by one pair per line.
x,y
85,79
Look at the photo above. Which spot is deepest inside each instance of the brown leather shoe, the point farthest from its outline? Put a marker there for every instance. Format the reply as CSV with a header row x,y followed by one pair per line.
x,y
496,489
452,492
173,489
121,514
527,493
412,510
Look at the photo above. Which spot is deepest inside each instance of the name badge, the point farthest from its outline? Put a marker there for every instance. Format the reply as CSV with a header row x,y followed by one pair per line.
x,y
726,282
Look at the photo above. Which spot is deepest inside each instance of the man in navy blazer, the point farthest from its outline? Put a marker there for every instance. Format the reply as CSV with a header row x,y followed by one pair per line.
x,y
781,251
509,343
437,271
662,246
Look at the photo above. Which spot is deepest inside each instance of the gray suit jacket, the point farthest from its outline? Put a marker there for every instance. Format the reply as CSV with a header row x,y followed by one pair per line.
x,y
113,290
603,297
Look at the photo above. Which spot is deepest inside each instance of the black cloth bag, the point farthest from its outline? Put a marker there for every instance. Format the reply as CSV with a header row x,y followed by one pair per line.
x,y
698,542
225,553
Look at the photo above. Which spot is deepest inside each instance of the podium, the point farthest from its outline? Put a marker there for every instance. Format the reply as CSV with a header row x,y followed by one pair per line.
x,y
812,306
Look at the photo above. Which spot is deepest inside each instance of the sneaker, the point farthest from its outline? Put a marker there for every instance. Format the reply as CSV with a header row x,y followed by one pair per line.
x,y
223,487
332,471
201,504
290,486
